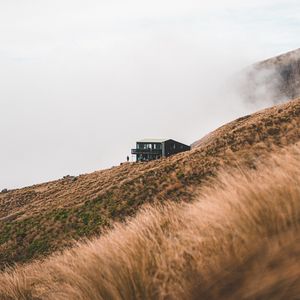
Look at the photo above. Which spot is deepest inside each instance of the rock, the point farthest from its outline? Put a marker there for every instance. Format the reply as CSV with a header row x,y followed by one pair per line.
x,y
69,177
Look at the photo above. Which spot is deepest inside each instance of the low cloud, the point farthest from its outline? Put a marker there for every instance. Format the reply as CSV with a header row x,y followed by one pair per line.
x,y
80,82
270,82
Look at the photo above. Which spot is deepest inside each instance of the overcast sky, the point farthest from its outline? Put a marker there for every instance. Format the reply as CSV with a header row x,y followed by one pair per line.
x,y
80,81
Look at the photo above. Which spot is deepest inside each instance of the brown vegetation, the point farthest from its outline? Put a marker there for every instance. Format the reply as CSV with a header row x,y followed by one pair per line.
x,y
276,79
37,220
238,240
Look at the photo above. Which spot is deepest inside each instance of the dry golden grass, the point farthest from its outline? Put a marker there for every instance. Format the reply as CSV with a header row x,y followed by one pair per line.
x,y
38,220
238,240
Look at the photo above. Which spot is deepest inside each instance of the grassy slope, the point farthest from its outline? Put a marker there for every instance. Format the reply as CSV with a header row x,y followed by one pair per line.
x,y
278,75
237,240
38,220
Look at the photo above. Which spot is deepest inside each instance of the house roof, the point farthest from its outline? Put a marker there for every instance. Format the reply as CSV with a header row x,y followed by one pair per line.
x,y
152,140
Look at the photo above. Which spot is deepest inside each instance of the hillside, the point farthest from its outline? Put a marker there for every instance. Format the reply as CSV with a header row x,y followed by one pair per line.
x,y
238,239
276,79
38,220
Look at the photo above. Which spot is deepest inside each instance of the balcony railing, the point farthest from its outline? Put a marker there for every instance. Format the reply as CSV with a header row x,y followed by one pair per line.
x,y
146,151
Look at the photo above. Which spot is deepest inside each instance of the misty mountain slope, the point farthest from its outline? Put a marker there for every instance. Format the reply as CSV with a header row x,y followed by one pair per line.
x,y
37,220
239,239
274,80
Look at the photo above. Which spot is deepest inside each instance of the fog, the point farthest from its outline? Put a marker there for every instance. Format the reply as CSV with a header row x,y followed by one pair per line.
x,y
81,81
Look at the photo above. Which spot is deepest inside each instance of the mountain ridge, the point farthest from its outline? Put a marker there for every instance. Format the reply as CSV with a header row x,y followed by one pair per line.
x,y
238,239
274,80
35,221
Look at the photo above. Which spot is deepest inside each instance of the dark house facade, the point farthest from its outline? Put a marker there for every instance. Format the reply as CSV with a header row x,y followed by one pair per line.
x,y
151,149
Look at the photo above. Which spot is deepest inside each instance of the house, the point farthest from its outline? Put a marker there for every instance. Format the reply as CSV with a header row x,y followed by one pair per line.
x,y
150,149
